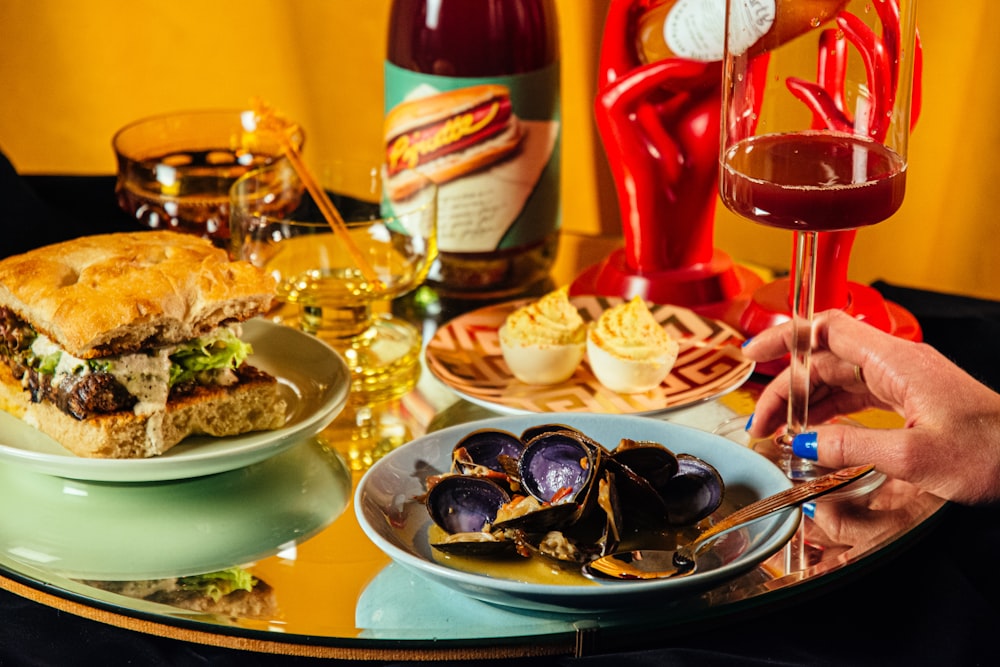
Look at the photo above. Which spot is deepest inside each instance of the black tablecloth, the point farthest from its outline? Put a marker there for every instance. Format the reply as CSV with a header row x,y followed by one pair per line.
x,y
934,602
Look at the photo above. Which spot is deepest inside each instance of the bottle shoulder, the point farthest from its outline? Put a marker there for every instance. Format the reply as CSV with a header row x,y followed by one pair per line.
x,y
473,38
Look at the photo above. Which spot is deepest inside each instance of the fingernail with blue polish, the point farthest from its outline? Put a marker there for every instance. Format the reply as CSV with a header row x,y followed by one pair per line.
x,y
749,423
809,509
804,446
746,342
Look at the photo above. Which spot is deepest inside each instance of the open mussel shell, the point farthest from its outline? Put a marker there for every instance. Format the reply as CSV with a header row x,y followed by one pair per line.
x,y
465,507
533,432
650,460
488,452
559,549
557,468
694,492
477,545
464,504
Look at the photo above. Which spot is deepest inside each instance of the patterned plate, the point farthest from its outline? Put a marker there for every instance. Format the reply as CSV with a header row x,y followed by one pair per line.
x,y
465,355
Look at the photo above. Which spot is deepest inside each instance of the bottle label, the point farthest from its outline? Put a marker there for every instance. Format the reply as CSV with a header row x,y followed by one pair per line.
x,y
696,29
491,144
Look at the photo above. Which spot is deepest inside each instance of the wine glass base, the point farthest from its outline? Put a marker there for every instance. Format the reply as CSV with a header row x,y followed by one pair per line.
x,y
734,429
384,361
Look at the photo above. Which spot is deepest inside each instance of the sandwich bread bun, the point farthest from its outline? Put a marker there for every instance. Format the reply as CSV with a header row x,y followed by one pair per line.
x,y
123,345
125,292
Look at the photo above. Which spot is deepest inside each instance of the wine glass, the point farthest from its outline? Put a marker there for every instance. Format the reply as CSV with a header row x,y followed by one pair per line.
x,y
337,282
814,139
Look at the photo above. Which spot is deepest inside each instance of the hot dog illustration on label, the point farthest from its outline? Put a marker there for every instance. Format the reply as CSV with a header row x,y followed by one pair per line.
x,y
449,135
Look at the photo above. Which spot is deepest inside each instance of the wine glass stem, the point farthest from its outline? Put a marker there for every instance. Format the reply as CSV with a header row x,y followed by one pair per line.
x,y
803,299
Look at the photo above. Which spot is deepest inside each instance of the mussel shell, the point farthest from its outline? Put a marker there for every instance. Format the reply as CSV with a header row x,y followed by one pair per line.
x,y
487,447
477,545
546,517
647,459
533,432
638,503
568,554
694,492
607,499
558,462
464,504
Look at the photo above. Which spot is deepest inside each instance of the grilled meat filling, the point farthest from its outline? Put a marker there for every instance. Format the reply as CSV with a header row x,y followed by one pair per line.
x,y
79,395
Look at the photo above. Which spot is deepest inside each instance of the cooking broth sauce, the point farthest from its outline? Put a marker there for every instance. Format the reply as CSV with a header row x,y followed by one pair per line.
x,y
537,570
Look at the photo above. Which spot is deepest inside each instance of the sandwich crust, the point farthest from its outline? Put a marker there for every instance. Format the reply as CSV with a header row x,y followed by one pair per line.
x,y
115,293
252,405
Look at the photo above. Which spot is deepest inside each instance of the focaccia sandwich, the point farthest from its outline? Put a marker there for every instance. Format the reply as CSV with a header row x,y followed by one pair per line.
x,y
122,345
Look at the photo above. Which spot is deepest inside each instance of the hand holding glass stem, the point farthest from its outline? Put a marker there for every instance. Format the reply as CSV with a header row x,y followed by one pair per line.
x,y
814,139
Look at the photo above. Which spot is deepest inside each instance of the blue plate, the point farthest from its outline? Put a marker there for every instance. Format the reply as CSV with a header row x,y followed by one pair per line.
x,y
398,524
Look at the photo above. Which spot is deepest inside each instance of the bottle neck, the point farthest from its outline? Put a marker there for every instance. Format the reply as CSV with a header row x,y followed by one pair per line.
x,y
473,38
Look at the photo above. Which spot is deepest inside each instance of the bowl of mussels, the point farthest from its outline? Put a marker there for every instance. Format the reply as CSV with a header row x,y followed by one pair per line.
x,y
508,510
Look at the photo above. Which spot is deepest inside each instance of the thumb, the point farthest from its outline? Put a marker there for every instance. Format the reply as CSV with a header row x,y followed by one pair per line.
x,y
841,445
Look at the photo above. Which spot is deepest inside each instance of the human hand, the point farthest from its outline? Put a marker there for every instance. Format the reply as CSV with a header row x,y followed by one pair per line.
x,y
949,444
839,526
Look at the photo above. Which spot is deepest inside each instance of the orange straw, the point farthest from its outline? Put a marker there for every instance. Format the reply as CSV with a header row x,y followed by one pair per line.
x,y
267,118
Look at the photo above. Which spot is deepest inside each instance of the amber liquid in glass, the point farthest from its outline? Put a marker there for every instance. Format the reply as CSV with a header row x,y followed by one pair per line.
x,y
188,191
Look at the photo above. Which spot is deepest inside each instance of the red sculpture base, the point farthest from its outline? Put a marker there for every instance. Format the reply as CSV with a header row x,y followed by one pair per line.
x,y
770,305
709,289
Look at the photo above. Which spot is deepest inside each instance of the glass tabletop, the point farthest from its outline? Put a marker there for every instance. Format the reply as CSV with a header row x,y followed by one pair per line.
x,y
325,590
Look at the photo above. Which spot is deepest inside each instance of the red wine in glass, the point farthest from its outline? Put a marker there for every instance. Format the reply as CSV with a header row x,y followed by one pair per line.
x,y
813,180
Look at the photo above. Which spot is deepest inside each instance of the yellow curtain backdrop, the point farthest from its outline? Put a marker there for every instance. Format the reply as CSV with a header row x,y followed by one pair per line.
x,y
72,72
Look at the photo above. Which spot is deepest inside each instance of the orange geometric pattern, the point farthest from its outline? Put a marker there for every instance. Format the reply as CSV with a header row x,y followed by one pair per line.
x,y
465,355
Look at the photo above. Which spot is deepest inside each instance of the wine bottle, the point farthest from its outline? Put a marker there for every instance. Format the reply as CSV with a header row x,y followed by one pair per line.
x,y
695,29
472,100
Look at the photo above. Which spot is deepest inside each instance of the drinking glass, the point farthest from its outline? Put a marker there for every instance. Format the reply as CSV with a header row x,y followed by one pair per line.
x,y
337,283
814,139
175,169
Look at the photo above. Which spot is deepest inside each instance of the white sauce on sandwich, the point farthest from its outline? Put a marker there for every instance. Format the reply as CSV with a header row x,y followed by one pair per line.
x,y
145,376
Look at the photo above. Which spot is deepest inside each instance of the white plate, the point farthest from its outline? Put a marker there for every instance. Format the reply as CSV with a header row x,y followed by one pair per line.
x,y
314,381
397,524
465,355
94,530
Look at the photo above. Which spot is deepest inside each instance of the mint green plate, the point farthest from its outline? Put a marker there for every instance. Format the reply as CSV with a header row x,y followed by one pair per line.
x,y
96,530
314,381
